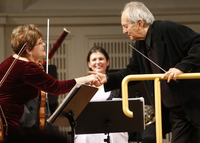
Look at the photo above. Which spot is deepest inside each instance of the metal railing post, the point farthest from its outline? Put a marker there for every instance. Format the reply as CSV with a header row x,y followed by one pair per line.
x,y
157,90
158,113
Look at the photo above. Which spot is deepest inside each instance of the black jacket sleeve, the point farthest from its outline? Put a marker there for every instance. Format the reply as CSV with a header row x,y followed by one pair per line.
x,y
114,79
184,44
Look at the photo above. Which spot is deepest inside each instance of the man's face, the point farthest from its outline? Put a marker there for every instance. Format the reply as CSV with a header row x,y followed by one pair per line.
x,y
132,30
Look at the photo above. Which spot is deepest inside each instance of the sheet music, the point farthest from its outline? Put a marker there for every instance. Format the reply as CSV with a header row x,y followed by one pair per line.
x,y
60,107
75,101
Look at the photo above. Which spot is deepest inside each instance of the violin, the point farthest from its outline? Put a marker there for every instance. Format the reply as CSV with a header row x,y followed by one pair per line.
x,y
42,110
3,126
1,130
3,122
43,98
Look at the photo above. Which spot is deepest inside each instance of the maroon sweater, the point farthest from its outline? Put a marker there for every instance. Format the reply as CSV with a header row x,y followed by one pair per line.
x,y
24,83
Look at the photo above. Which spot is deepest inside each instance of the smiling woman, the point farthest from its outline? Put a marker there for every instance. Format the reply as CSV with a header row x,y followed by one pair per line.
x,y
98,61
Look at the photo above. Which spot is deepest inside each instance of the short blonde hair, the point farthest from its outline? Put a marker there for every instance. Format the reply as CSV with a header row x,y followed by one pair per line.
x,y
24,34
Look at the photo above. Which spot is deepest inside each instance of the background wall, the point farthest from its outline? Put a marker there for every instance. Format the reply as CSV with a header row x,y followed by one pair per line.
x,y
87,20
91,22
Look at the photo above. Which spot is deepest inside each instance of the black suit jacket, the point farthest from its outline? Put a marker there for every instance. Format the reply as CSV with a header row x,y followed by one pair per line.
x,y
183,47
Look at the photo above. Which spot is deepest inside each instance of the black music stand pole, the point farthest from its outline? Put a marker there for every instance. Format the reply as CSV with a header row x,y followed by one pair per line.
x,y
108,138
70,117
107,125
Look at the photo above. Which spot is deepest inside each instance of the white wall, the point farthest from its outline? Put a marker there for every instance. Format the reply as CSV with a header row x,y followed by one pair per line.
x,y
84,18
88,20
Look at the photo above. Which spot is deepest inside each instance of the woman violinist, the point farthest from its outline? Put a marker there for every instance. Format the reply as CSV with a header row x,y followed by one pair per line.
x,y
27,79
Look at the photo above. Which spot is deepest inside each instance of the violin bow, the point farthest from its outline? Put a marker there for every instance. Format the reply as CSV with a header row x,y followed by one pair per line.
x,y
12,65
47,64
44,95
47,55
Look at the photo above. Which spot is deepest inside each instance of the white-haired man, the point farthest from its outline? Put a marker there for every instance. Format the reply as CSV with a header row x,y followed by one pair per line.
x,y
175,48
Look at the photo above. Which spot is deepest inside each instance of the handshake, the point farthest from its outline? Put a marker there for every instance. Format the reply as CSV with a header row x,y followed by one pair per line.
x,y
95,79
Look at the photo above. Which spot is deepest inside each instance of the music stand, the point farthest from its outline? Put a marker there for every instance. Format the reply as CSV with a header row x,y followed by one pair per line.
x,y
72,106
107,117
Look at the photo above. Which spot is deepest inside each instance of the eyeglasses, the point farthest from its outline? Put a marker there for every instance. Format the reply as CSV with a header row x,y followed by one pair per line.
x,y
40,43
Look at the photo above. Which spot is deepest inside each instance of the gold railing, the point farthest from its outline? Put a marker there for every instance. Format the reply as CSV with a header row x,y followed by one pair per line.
x,y
157,95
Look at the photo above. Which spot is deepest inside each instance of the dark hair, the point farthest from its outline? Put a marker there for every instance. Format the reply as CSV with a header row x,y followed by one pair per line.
x,y
98,49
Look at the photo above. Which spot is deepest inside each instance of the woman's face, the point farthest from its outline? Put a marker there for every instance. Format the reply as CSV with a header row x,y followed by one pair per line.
x,y
98,62
38,50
